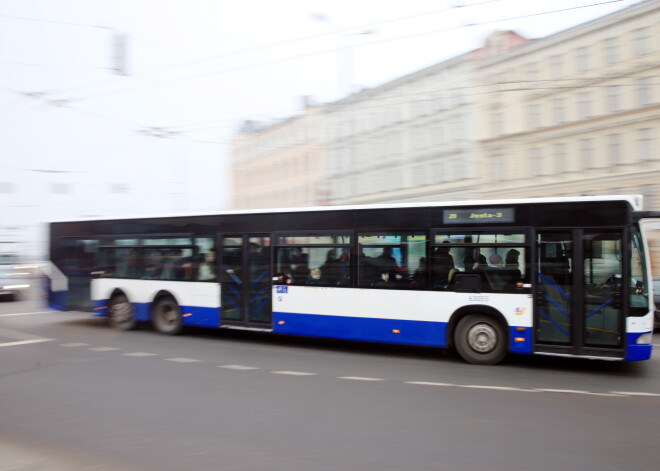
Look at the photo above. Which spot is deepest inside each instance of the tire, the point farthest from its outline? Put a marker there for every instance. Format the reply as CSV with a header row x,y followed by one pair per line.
x,y
480,340
166,316
121,315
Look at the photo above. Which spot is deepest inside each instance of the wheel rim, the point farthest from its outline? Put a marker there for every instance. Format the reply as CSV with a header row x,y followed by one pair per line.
x,y
168,317
121,313
482,338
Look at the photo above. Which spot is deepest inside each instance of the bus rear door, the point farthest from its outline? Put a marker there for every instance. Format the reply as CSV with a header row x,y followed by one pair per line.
x,y
245,282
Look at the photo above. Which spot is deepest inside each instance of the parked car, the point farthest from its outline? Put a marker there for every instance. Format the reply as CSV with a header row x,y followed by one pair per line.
x,y
656,300
14,277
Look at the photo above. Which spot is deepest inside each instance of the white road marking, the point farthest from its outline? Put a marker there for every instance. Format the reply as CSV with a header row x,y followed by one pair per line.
x,y
360,378
75,344
104,349
427,383
182,360
26,313
508,388
635,393
24,342
238,367
293,373
140,354
574,391
497,388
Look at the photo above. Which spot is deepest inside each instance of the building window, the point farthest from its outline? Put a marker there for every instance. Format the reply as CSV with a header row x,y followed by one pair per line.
x,y
612,98
498,169
644,91
532,72
584,105
419,140
535,162
614,149
645,144
641,42
534,116
496,124
586,153
560,158
556,67
582,59
558,110
610,51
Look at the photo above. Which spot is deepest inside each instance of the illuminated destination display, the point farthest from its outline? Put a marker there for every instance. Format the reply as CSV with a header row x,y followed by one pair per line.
x,y
478,216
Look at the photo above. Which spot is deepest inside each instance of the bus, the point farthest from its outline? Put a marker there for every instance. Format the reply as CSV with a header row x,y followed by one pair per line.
x,y
546,276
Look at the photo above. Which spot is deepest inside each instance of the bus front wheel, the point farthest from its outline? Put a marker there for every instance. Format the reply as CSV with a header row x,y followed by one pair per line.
x,y
166,316
121,315
480,340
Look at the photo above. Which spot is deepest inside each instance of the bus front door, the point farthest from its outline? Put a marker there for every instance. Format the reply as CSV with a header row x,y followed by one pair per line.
x,y
579,292
246,281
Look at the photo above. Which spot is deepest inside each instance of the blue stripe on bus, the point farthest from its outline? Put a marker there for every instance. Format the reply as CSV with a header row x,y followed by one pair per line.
x,y
520,341
425,333
636,352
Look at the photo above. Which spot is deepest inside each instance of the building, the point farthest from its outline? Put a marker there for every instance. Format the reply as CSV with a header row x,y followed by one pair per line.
x,y
279,164
576,112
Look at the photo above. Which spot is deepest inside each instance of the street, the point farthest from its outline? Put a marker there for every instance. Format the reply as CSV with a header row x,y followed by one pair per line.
x,y
75,394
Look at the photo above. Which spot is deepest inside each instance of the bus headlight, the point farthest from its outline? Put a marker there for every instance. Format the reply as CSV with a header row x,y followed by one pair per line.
x,y
644,339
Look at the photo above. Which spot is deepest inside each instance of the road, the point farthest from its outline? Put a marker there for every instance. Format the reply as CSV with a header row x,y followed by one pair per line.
x,y
76,395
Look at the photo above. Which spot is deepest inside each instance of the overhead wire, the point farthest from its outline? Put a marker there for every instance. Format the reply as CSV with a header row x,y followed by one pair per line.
x,y
129,89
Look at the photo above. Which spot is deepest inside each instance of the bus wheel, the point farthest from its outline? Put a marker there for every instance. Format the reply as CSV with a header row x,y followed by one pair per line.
x,y
120,313
480,340
166,316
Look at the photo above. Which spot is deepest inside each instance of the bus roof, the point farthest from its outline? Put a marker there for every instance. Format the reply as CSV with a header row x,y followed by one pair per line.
x,y
635,201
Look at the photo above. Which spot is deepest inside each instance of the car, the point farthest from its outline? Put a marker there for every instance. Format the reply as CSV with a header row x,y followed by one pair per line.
x,y
14,277
656,300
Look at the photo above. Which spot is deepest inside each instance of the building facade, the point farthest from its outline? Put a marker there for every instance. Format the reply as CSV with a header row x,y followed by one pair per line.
x,y
576,112
278,165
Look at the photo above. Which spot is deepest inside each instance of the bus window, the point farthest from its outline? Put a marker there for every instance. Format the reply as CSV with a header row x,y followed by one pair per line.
x,y
388,260
313,259
204,263
130,263
499,260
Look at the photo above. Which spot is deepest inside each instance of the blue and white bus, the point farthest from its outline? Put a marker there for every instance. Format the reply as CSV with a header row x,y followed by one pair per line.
x,y
555,276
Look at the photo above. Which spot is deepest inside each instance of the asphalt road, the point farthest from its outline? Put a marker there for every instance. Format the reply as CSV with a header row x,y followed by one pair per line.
x,y
76,395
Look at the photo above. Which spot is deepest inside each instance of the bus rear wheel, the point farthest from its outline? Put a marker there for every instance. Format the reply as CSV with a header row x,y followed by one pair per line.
x,y
166,316
480,340
121,315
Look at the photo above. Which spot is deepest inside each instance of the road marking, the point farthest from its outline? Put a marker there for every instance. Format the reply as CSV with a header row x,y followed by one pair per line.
x,y
238,367
635,393
182,360
576,391
104,349
426,383
360,378
24,342
497,388
75,344
508,388
26,313
140,354
293,373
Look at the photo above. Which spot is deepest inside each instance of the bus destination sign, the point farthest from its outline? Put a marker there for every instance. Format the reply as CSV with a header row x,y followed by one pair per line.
x,y
478,216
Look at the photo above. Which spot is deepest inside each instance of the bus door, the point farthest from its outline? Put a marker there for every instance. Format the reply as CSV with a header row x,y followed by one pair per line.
x,y
245,282
579,292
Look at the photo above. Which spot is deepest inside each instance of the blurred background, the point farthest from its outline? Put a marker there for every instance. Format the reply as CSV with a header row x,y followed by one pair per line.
x,y
120,108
